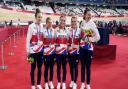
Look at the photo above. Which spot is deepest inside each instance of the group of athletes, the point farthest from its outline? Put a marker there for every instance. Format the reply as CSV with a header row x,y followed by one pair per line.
x,y
60,45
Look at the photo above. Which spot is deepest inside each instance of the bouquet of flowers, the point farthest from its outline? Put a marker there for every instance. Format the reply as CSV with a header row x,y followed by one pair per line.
x,y
30,59
88,32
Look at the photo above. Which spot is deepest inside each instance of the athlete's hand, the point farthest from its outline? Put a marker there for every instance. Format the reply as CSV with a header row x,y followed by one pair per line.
x,y
27,55
91,39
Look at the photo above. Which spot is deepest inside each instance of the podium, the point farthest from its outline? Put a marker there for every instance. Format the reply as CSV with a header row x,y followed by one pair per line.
x,y
104,36
105,52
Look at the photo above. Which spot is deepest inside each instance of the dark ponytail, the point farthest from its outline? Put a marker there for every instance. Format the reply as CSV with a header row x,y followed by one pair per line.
x,y
37,12
85,12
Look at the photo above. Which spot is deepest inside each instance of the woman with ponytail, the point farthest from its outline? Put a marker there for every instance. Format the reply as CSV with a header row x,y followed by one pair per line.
x,y
89,35
34,47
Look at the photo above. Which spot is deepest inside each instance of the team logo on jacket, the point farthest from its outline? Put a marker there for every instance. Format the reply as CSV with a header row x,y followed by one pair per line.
x,y
73,51
61,51
85,45
50,51
38,48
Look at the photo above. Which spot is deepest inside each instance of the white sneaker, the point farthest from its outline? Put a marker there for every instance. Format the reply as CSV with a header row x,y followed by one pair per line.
x,y
39,87
74,86
58,85
71,84
63,85
88,86
82,86
46,86
51,85
33,87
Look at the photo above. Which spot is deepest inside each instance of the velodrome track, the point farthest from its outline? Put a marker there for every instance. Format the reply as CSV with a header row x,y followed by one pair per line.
x,y
7,15
106,73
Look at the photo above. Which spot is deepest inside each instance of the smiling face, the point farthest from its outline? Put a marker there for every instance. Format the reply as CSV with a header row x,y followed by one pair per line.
x,y
38,18
49,23
62,21
87,16
74,22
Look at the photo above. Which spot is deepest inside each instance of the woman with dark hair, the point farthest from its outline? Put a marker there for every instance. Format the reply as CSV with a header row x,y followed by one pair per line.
x,y
34,47
89,34
49,52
